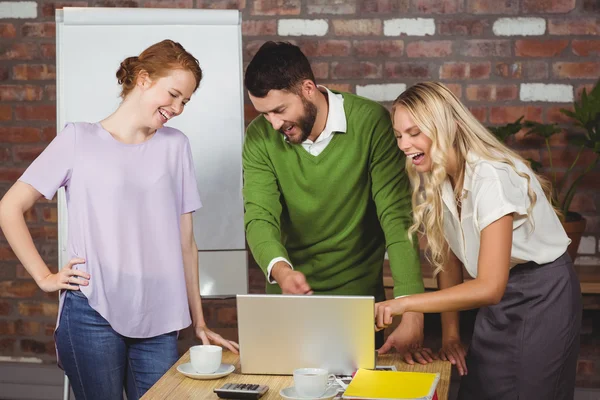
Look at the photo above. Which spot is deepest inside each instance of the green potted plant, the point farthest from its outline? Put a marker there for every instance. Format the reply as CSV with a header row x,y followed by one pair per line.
x,y
586,116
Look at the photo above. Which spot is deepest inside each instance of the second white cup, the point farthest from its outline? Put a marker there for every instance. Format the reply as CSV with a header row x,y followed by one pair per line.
x,y
311,382
206,359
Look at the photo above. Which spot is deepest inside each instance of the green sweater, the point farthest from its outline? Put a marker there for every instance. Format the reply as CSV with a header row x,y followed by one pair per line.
x,y
333,215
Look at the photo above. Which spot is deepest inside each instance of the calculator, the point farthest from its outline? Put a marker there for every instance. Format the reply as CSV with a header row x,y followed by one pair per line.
x,y
241,391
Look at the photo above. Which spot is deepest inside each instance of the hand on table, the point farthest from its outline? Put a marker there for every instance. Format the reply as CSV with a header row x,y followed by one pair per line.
x,y
454,351
407,339
209,337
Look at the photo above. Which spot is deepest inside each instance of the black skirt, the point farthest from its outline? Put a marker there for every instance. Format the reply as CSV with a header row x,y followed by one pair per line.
x,y
526,346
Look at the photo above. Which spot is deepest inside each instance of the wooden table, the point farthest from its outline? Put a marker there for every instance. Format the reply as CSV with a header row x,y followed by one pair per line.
x,y
174,385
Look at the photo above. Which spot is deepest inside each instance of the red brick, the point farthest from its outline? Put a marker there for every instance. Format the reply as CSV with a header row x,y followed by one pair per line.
x,y
48,232
4,158
49,9
564,157
554,115
455,88
320,70
330,7
169,4
585,367
5,308
251,48
465,70
462,27
3,73
48,133
548,6
50,214
19,327
38,29
36,113
19,134
7,346
506,114
491,92
378,48
30,215
18,289
340,87
20,93
533,154
493,6
540,48
406,70
357,27
5,112
19,51
37,347
523,139
581,26
50,92
222,4
439,6
48,50
486,48
7,31
276,7
227,316
480,113
49,329
325,48
259,28
250,113
28,72
26,153
574,70
9,174
355,70
383,6
591,5
32,309
583,203
586,48
118,3
434,48
522,69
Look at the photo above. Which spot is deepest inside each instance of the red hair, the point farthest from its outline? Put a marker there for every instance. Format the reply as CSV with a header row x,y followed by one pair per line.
x,y
157,60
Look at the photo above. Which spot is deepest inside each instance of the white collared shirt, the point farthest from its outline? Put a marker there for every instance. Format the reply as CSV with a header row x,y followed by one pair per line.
x,y
491,190
336,122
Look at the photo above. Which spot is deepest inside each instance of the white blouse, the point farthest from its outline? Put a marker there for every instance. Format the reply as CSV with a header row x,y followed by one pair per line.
x,y
491,190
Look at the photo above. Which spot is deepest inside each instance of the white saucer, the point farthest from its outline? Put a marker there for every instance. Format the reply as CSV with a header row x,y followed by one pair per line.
x,y
187,370
290,394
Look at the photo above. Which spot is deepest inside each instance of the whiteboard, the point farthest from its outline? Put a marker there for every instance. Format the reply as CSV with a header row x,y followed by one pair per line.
x,y
91,43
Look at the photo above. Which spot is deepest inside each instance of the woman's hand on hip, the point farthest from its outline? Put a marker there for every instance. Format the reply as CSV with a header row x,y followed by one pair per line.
x,y
67,278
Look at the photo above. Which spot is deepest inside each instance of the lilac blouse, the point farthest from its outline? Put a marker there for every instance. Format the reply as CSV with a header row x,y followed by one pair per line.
x,y
124,205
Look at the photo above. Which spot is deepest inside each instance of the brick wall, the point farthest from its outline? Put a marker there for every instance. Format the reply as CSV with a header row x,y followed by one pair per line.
x,y
503,58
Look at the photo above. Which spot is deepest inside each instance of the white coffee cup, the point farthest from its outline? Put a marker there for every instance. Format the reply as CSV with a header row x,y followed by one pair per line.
x,y
311,382
206,359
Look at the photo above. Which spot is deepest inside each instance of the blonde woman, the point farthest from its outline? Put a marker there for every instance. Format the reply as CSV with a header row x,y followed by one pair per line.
x,y
479,204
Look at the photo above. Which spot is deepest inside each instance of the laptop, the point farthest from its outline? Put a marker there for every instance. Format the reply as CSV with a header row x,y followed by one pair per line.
x,y
279,333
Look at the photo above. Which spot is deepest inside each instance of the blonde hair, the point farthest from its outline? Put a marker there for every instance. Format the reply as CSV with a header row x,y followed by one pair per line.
x,y
450,125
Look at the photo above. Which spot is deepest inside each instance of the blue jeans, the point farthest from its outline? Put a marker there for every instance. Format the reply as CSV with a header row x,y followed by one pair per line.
x,y
100,363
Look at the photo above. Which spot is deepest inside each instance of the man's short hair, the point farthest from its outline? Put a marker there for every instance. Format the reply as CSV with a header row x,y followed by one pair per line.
x,y
277,66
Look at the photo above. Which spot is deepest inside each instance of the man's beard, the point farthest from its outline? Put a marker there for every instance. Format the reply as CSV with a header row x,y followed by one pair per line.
x,y
305,123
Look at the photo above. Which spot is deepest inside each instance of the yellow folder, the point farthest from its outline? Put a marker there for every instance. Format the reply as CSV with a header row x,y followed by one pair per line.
x,y
397,385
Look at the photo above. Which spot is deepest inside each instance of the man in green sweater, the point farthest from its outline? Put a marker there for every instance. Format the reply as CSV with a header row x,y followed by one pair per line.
x,y
325,191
